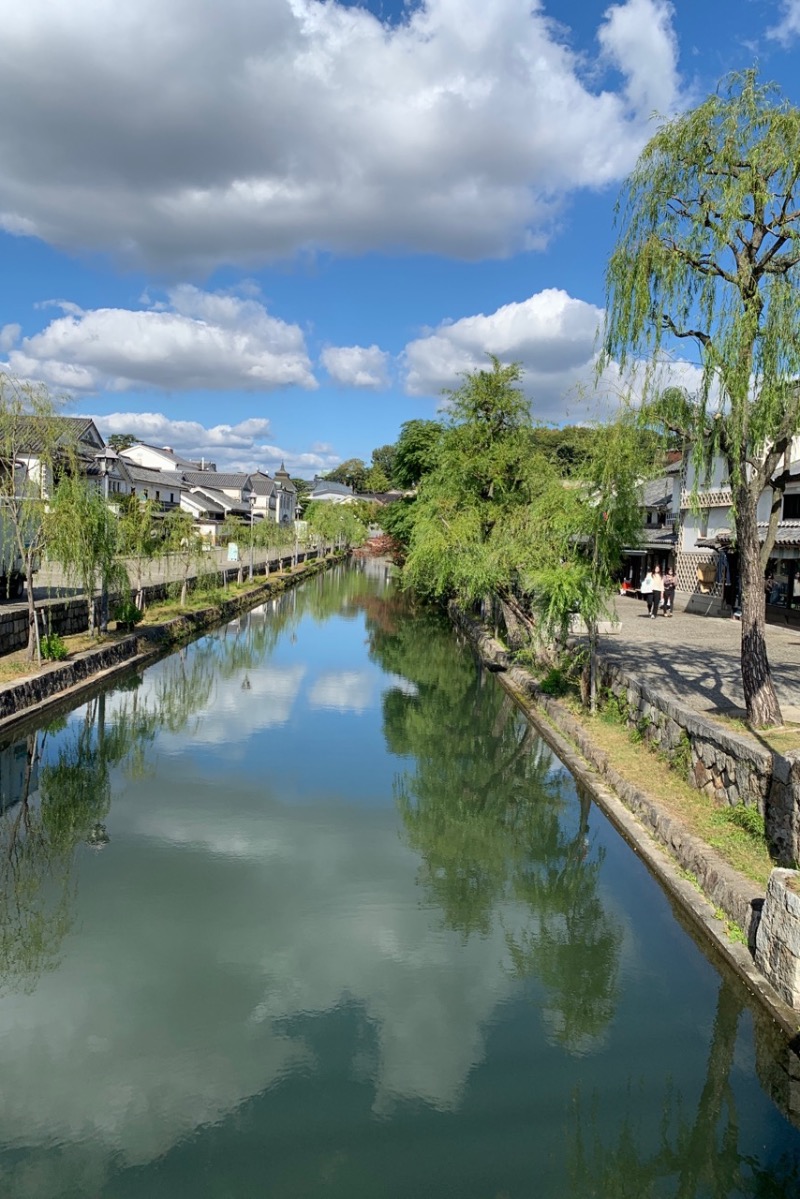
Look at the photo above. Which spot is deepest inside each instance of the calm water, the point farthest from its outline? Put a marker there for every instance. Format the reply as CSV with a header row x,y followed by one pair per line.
x,y
307,910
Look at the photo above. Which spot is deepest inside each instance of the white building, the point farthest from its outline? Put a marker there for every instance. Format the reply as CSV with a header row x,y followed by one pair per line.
x,y
707,532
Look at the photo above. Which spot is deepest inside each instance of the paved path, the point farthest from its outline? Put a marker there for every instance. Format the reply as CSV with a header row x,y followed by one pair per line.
x,y
696,658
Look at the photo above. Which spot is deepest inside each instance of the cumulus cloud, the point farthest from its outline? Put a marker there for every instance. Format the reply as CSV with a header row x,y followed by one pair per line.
x,y
788,28
241,446
357,366
249,132
552,334
639,39
193,340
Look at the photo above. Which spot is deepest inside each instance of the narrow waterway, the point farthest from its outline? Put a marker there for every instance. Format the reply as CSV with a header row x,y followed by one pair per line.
x,y
307,910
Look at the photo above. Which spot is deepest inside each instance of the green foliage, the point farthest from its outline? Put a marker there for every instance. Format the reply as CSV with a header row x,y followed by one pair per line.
x,y
555,682
416,452
397,519
54,648
121,441
580,530
472,531
565,449
336,524
680,759
376,479
747,818
383,457
84,536
126,612
615,710
708,251
352,472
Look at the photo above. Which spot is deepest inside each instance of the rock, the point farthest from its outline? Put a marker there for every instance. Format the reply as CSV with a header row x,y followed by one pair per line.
x,y
778,937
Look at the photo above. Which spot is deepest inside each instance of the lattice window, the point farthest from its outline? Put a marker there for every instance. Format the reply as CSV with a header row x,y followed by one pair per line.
x,y
686,572
720,498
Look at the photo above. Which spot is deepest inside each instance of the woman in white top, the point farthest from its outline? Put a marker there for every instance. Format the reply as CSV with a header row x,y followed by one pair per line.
x,y
647,590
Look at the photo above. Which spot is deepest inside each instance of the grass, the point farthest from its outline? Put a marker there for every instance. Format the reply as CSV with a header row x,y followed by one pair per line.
x,y
18,665
782,739
742,848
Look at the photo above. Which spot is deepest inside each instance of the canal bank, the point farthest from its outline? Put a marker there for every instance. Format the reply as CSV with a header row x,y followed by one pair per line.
x,y
709,891
63,683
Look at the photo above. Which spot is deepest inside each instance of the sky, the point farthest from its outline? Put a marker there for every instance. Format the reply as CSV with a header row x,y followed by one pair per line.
x,y
274,230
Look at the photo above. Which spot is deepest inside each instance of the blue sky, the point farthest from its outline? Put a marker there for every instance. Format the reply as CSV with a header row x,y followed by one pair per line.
x,y
277,230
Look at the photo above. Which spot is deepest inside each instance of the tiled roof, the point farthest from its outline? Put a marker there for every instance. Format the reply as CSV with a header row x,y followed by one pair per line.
x,y
261,484
156,478
655,535
321,486
214,478
657,493
179,462
788,532
209,502
28,432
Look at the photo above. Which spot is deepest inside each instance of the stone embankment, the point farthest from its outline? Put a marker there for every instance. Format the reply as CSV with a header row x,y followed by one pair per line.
x,y
729,769
67,616
60,683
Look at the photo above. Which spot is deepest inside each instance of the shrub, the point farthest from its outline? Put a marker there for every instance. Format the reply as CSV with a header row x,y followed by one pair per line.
x,y
681,757
127,613
747,818
54,647
555,682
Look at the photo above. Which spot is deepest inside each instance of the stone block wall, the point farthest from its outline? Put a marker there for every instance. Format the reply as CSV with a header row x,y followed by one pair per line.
x,y
729,769
67,616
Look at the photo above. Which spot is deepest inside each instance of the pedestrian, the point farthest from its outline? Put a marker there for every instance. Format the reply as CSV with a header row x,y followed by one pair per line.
x,y
647,590
655,595
670,583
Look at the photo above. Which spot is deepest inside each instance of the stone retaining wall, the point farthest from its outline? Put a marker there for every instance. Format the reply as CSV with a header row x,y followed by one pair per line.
x,y
67,616
728,768
59,681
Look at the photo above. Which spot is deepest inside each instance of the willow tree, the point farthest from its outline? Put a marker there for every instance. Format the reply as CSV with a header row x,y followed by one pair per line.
x,y
708,251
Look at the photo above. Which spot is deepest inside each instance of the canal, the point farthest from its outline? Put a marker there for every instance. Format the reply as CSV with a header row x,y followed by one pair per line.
x,y
308,910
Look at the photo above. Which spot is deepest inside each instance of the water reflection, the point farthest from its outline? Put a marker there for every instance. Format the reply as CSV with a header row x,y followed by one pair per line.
x,y
262,986
697,1151
485,810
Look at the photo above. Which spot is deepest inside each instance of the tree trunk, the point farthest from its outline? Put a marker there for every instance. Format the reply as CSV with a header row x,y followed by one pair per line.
x,y
33,628
760,699
593,667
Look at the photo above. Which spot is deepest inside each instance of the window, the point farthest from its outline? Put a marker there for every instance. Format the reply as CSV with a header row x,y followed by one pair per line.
x,y
704,523
791,506
158,495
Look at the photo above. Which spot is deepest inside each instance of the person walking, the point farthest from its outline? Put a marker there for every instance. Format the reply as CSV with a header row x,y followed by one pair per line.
x,y
669,583
655,595
647,591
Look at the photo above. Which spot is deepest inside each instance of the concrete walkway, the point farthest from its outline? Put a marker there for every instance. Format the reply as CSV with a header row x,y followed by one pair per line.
x,y
697,658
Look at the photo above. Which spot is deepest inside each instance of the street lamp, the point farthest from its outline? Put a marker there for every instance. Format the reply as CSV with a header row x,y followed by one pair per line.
x,y
105,460
251,499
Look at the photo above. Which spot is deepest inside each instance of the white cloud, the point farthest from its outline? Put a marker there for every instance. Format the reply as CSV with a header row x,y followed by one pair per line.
x,y
342,690
357,366
552,334
788,28
248,132
242,446
638,38
196,340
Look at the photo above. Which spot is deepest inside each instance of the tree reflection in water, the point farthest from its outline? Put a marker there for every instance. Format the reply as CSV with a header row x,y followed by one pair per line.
x,y
696,1153
494,823
56,785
